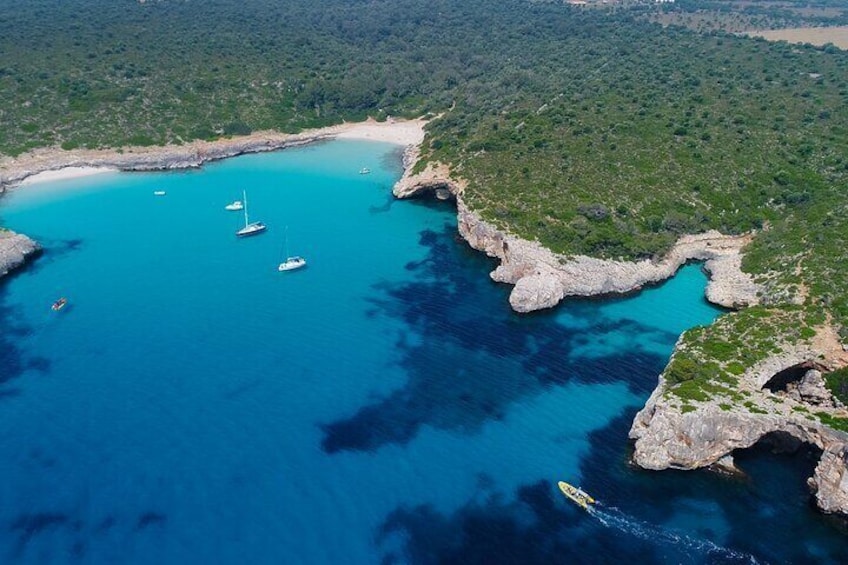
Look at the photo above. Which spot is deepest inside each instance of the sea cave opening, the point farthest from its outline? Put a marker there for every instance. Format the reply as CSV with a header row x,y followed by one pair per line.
x,y
779,464
782,380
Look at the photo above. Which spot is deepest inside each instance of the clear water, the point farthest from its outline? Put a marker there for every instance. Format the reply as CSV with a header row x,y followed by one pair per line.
x,y
193,405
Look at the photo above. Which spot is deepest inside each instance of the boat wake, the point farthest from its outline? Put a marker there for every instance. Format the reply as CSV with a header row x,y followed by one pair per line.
x,y
612,517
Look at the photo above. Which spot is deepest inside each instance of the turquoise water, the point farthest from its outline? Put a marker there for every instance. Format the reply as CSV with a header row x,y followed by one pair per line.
x,y
193,405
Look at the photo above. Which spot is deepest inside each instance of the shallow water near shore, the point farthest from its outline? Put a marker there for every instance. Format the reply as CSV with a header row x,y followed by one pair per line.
x,y
193,405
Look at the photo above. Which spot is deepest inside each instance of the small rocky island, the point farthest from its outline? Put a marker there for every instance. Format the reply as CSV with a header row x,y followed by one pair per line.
x,y
727,387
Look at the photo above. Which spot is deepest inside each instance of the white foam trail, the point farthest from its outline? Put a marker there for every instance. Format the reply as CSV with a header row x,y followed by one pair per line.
x,y
612,517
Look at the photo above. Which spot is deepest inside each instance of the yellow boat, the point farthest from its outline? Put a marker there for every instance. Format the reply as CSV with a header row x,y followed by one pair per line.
x,y
577,495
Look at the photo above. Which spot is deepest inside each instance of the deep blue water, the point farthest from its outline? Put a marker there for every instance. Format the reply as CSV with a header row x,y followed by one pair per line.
x,y
383,405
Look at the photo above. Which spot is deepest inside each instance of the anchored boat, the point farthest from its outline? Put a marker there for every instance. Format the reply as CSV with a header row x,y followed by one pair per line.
x,y
292,262
59,304
249,228
577,495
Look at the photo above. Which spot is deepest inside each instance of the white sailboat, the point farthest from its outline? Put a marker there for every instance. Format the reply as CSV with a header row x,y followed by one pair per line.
x,y
249,228
292,262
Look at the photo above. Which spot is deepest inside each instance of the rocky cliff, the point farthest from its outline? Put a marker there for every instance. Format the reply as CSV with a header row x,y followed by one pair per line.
x,y
15,249
542,278
670,432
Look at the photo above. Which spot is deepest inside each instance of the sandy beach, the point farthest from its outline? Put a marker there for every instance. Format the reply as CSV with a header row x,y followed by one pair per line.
x,y
66,173
50,164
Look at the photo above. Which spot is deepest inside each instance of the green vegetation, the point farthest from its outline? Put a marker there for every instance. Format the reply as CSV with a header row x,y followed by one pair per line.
x,y
834,422
754,409
837,383
708,360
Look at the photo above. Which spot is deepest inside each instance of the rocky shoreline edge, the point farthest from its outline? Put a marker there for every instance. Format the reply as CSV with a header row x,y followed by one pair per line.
x,y
667,433
542,278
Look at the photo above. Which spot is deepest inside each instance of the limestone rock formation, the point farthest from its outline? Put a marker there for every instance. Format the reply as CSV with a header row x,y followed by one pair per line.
x,y
669,433
542,278
15,249
668,436
830,481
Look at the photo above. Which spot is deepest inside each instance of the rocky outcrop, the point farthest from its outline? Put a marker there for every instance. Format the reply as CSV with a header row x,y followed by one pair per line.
x,y
811,390
15,249
542,278
830,481
434,180
669,433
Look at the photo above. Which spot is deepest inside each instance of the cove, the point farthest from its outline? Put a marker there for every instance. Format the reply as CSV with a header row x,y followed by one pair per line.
x,y
192,404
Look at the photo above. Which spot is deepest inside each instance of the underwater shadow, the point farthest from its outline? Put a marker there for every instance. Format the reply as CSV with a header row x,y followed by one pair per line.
x,y
537,527
13,361
757,515
473,357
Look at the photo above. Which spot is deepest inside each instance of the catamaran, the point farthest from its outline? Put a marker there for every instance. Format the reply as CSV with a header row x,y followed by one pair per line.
x,y
577,495
249,228
292,262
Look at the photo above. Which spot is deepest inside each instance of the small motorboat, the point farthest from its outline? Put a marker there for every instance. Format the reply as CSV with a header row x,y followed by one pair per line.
x,y
159,193
292,263
364,171
234,206
577,495
59,304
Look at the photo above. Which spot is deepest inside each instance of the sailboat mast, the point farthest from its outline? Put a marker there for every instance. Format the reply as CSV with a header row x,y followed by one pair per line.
x,y
244,196
287,242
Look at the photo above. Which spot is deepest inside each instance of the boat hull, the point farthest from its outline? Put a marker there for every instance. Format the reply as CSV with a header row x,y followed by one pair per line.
x,y
292,263
252,229
576,495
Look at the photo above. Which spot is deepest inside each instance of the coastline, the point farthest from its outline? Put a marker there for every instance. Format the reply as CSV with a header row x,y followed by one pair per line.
x,y
668,433
542,279
54,164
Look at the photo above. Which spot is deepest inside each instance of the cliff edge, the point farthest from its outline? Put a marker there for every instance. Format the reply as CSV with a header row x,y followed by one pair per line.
x,y
712,408
542,278
15,250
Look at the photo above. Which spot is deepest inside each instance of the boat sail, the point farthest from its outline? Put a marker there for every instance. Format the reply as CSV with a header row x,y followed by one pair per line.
x,y
249,228
292,262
